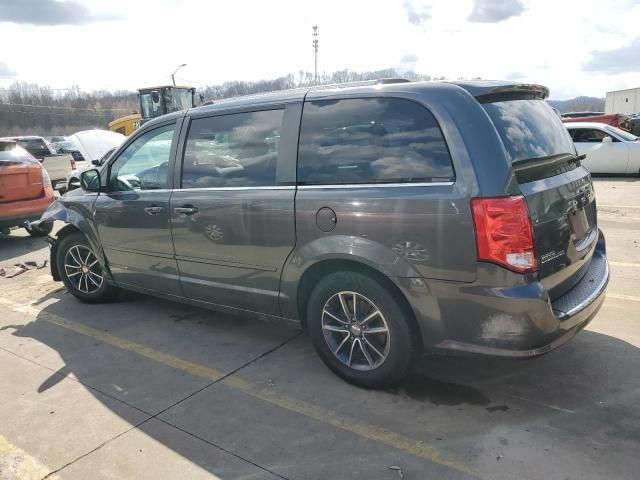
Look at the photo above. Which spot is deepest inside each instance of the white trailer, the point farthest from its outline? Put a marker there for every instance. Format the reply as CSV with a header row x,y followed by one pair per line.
x,y
623,101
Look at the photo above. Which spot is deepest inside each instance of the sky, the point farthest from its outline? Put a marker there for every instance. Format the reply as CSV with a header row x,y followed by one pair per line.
x,y
574,47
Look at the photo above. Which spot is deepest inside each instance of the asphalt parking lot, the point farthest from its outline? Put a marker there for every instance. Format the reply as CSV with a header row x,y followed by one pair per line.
x,y
144,388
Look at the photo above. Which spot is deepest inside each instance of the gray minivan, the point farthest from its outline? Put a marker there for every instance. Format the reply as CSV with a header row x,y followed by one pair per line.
x,y
386,217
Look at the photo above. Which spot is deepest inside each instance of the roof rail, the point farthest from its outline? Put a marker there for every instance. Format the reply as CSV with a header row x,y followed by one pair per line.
x,y
360,83
328,86
384,81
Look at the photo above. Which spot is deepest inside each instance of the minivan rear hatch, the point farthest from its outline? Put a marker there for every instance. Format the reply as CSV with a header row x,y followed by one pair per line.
x,y
558,191
20,174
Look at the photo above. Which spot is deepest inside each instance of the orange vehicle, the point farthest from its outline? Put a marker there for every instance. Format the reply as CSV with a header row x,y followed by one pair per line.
x,y
25,189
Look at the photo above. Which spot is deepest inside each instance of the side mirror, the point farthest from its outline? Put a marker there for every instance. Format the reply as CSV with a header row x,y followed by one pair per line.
x,y
90,180
95,162
607,139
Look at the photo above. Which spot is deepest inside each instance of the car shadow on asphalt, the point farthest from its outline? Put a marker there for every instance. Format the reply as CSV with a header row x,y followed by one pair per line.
x,y
593,377
12,246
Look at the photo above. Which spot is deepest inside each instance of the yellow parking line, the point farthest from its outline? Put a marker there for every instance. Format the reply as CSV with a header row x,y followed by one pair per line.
x,y
619,296
16,463
618,206
624,264
370,432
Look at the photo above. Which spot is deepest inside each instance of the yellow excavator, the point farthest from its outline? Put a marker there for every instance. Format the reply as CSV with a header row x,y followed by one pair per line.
x,y
154,102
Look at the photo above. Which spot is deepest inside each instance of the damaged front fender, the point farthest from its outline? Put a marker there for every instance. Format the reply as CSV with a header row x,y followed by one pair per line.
x,y
76,210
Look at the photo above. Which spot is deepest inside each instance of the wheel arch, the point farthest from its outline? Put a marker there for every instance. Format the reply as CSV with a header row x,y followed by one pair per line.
x,y
61,234
314,273
75,217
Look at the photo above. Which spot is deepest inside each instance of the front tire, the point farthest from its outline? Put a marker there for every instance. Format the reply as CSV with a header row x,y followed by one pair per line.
x,y
81,271
360,329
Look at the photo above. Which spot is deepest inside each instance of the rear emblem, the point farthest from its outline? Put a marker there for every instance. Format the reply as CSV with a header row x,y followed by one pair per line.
x,y
547,257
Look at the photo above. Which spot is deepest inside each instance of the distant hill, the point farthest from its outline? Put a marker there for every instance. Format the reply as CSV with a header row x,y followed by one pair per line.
x,y
579,104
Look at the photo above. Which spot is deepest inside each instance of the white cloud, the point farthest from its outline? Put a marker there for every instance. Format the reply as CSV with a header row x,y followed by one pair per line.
x,y
48,12
493,11
548,42
417,14
5,71
618,60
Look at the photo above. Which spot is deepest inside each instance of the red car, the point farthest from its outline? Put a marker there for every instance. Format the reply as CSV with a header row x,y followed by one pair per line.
x,y
616,120
25,189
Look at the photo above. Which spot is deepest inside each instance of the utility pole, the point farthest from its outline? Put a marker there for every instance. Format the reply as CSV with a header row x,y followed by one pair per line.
x,y
175,71
315,52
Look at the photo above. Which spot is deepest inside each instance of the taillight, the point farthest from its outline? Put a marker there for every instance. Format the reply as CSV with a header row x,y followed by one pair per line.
x,y
46,180
73,164
503,232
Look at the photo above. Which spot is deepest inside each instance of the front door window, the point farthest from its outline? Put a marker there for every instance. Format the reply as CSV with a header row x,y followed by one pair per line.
x,y
144,164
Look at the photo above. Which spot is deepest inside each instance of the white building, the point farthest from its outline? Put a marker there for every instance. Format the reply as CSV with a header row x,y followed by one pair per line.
x,y
623,101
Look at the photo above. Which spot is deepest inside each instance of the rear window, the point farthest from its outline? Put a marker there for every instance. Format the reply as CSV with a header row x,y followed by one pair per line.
x,y
372,140
14,155
529,129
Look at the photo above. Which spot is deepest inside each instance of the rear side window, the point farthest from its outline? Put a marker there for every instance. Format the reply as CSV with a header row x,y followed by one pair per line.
x,y
236,150
529,129
371,140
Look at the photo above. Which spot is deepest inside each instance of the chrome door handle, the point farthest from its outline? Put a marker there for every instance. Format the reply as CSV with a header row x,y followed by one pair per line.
x,y
187,210
153,210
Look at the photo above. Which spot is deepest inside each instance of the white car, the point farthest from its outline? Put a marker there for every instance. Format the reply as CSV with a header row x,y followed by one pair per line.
x,y
93,144
608,149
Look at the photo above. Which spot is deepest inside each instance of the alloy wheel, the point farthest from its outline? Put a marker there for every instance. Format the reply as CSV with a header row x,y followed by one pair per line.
x,y
83,269
355,331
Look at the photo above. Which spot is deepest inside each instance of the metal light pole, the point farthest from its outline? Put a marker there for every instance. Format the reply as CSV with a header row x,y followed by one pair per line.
x,y
315,51
172,75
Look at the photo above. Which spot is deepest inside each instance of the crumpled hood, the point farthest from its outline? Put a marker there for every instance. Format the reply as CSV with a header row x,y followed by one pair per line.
x,y
93,144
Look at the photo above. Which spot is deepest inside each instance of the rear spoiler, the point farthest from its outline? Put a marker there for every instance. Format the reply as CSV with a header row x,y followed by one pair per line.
x,y
489,92
514,92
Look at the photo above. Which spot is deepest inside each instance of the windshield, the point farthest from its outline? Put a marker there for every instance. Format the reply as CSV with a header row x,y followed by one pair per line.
x,y
66,144
626,136
178,99
529,129
106,156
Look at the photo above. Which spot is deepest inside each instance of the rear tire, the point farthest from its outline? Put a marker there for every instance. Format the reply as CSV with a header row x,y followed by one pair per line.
x,y
41,231
81,271
371,347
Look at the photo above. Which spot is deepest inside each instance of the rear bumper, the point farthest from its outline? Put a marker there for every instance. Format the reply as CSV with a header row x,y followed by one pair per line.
x,y
519,321
26,210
